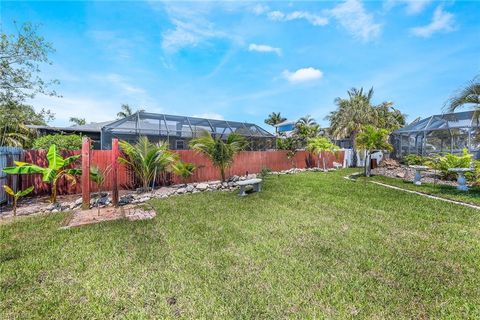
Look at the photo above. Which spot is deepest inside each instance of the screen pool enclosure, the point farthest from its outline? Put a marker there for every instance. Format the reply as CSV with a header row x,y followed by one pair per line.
x,y
450,132
177,131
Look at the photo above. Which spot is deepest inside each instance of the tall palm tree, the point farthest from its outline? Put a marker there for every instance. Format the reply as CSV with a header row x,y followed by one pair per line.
x,y
126,111
351,115
221,153
468,95
306,121
273,119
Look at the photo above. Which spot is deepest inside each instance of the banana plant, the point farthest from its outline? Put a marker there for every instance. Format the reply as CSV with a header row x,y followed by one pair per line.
x,y
16,195
57,168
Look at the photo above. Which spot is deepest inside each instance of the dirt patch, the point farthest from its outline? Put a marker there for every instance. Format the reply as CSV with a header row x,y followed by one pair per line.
x,y
91,216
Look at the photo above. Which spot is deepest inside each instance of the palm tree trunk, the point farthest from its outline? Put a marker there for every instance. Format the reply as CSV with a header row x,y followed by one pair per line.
x,y
222,173
367,164
354,149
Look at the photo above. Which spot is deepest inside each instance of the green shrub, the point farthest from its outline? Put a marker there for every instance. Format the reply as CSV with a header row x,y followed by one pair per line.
x,y
448,161
63,142
264,173
415,160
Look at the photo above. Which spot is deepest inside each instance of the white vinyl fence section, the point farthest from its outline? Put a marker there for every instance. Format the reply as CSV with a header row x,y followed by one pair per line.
x,y
7,156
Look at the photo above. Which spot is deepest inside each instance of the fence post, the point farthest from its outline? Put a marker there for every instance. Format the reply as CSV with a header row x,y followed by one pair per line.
x,y
86,173
115,153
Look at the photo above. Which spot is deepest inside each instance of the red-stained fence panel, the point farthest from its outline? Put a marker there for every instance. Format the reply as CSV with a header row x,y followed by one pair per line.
x,y
245,162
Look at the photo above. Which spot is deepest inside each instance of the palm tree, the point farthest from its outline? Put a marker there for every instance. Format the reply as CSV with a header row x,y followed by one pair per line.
x,y
306,121
318,145
356,111
184,170
469,95
220,152
274,119
78,121
147,159
371,139
126,111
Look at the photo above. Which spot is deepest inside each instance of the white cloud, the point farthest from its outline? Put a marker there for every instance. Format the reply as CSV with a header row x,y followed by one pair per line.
x,y
411,6
302,75
209,115
190,26
356,20
122,83
264,48
441,21
92,109
260,9
312,18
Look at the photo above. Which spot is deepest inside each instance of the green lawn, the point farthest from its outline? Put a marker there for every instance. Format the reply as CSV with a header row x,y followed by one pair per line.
x,y
449,192
311,245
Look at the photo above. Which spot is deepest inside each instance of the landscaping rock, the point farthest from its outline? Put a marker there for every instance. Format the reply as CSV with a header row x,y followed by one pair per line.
x,y
202,186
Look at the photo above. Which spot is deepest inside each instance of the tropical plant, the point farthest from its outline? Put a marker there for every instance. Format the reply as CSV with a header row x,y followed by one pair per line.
x,y
318,146
126,111
184,170
78,121
417,160
273,119
147,159
62,141
371,139
305,128
468,95
291,145
221,153
449,161
357,111
57,168
16,195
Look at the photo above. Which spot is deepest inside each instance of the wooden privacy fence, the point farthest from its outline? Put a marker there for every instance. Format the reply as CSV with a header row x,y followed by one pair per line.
x,y
7,157
246,162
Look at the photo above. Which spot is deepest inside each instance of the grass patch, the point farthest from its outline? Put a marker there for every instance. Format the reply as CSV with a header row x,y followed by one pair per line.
x,y
310,245
471,196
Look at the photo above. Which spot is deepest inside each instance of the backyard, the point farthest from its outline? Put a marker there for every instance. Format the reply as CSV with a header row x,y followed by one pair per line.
x,y
309,245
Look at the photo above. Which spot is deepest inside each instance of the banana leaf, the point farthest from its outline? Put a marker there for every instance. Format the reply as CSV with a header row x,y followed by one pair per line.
x,y
55,160
23,169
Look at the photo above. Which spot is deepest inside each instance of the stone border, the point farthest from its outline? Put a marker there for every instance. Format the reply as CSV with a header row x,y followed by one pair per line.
x,y
104,200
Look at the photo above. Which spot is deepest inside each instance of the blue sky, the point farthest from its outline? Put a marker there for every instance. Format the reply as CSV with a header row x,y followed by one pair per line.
x,y
243,60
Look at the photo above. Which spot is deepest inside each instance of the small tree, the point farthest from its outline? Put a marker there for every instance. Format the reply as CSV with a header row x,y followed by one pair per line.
x,y
220,152
184,170
289,144
16,195
57,168
22,55
62,141
319,145
371,139
147,159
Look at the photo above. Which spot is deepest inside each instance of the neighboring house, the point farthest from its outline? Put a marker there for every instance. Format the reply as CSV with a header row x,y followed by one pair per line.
x,y
177,131
285,128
